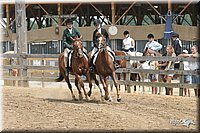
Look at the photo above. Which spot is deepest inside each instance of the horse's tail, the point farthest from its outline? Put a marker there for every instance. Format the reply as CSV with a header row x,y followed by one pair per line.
x,y
60,78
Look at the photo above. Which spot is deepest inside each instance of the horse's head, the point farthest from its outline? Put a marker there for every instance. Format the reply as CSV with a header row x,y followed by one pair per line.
x,y
78,47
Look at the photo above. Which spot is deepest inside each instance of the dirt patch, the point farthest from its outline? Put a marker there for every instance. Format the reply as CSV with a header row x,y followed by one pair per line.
x,y
53,109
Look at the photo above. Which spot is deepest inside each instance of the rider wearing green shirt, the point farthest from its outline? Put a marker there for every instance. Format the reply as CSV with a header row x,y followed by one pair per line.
x,y
69,34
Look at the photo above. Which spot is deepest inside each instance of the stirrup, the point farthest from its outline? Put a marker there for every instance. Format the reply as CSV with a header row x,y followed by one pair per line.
x,y
92,69
67,71
116,66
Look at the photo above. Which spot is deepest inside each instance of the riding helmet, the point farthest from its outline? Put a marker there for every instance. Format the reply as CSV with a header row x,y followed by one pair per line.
x,y
97,21
150,36
174,34
69,21
126,32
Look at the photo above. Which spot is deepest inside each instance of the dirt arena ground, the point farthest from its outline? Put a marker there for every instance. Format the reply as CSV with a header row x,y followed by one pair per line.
x,y
42,109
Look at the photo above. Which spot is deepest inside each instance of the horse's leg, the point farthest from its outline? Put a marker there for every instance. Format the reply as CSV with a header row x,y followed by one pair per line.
x,y
79,89
104,87
90,84
80,81
100,89
70,86
125,79
115,83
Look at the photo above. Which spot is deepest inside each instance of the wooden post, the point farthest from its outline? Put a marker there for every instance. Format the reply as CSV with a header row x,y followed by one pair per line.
x,y
113,12
7,17
59,13
21,30
181,67
128,75
169,5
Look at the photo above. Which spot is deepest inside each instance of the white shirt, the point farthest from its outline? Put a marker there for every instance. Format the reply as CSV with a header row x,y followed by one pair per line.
x,y
99,30
127,42
151,44
193,65
186,65
70,31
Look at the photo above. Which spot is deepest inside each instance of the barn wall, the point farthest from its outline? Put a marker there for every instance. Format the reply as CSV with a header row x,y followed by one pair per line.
x,y
137,32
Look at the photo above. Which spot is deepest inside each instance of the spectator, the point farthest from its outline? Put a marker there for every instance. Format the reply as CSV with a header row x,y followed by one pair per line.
x,y
177,45
186,77
194,66
169,66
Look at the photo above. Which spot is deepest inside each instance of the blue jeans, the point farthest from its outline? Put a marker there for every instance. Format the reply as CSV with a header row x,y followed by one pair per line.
x,y
195,79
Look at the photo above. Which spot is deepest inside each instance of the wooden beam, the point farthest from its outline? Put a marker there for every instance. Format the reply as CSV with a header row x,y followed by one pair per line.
x,y
59,12
184,9
156,10
100,12
72,12
169,5
47,13
125,12
15,18
21,37
113,12
7,17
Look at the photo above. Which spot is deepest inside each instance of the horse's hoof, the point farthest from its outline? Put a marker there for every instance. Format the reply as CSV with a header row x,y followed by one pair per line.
x,y
106,98
75,99
119,99
80,97
89,94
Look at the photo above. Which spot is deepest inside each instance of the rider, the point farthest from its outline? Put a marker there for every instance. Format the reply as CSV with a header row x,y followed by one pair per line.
x,y
128,42
68,37
102,31
152,47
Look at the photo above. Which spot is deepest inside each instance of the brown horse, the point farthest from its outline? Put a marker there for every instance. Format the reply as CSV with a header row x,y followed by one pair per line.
x,y
80,67
105,67
122,63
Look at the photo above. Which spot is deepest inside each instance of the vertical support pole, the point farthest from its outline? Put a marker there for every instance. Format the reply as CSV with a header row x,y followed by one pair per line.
x,y
113,12
128,75
7,17
169,5
21,30
59,12
181,67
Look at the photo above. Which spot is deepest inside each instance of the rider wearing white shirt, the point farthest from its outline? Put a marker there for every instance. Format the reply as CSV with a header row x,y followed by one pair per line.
x,y
128,42
152,47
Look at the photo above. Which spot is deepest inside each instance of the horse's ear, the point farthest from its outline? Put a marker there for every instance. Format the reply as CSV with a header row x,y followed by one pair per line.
x,y
98,34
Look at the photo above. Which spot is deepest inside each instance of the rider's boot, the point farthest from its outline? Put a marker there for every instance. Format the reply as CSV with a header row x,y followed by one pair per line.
x,y
116,66
91,65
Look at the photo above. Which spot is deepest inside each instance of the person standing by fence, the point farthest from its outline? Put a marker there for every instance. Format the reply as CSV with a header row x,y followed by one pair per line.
x,y
195,67
177,45
187,78
169,66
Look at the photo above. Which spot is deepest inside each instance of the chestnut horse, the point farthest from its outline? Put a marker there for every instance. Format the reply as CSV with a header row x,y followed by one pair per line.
x,y
105,67
80,67
122,63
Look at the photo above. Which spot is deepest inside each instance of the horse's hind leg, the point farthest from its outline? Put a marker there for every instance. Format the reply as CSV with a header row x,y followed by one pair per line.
x,y
70,87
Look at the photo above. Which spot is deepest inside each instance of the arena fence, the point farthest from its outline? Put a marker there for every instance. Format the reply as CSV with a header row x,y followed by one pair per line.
x,y
23,67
